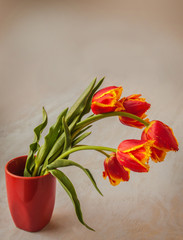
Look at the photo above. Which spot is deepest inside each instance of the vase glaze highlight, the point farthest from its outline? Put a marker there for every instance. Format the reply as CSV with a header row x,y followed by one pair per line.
x,y
31,199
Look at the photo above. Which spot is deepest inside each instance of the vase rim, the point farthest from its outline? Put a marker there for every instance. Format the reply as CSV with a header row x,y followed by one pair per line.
x,y
21,177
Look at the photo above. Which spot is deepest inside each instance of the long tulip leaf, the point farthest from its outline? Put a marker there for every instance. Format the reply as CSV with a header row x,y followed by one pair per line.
x,y
58,146
80,138
73,114
49,140
68,140
35,145
88,104
80,103
69,188
65,163
77,133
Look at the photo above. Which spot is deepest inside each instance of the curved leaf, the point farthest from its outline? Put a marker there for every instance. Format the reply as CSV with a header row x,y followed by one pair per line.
x,y
68,140
58,146
80,103
80,138
35,145
79,132
69,188
49,140
73,116
65,163
88,104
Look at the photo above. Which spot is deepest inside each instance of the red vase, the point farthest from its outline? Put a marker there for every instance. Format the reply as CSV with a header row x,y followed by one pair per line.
x,y
31,199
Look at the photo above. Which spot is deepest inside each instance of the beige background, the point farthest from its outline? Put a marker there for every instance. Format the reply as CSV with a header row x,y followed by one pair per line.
x,y
49,52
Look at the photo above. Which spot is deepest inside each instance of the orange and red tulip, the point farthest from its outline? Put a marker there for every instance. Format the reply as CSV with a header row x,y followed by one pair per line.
x,y
136,105
134,154
115,171
163,137
106,100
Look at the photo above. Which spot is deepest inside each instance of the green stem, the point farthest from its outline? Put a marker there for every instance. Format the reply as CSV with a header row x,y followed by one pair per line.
x,y
95,118
75,149
101,151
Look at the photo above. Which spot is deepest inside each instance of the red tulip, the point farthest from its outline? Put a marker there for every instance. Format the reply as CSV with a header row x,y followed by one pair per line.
x,y
134,154
164,139
136,105
115,171
106,100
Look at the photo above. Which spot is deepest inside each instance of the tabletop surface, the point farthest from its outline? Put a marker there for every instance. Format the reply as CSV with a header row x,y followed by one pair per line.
x,y
52,50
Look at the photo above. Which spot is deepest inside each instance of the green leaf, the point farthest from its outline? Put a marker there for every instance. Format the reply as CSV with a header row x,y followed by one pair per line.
x,y
79,132
80,138
73,116
57,148
68,140
80,104
89,100
35,145
69,188
49,140
65,163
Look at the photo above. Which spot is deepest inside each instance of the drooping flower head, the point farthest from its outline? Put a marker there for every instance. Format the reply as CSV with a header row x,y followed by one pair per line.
x,y
106,100
115,171
134,154
163,137
136,105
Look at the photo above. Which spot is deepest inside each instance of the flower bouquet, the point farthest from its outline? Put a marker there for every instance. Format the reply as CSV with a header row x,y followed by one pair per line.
x,y
72,125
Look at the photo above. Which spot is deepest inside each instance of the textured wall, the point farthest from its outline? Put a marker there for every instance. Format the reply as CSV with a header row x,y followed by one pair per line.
x,y
49,52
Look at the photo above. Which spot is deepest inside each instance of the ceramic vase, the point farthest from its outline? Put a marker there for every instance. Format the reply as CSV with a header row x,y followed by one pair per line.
x,y
31,199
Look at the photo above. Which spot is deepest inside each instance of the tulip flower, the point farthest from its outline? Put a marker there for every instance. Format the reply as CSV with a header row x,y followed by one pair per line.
x,y
164,139
106,100
115,171
134,154
136,105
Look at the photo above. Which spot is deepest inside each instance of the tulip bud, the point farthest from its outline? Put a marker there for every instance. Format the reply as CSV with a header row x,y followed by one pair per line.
x,y
115,171
106,100
164,139
134,154
136,105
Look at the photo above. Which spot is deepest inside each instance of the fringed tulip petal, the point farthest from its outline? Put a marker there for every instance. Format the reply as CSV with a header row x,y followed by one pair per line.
x,y
106,100
131,145
157,155
163,137
132,122
134,154
115,171
136,105
132,163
